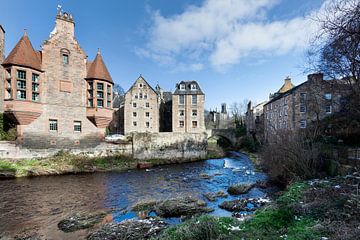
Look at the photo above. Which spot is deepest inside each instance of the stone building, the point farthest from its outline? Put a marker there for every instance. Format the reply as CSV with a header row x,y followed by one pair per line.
x,y
2,74
141,108
188,108
303,105
55,96
254,120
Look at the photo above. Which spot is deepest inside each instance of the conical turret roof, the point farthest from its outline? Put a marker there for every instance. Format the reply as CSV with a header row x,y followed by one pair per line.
x,y
98,70
23,54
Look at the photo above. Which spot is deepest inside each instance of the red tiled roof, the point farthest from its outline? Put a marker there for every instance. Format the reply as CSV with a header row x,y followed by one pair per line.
x,y
98,70
23,54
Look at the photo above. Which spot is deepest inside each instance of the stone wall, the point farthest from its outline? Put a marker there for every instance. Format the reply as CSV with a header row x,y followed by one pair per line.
x,y
170,146
144,146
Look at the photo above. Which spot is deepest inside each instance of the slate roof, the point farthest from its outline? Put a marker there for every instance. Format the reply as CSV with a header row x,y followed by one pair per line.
x,y
167,96
23,54
187,89
98,70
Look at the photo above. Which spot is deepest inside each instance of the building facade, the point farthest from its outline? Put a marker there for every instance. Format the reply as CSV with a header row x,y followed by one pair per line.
x,y
254,120
303,105
55,96
188,108
141,108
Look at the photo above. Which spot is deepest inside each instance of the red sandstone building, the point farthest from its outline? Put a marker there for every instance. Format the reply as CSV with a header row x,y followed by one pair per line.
x,y
56,97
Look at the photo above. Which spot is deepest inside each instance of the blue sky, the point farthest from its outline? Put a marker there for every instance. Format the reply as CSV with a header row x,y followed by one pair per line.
x,y
236,49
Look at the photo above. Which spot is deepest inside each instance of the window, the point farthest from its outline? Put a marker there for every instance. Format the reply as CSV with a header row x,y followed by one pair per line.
x,y
100,94
182,86
90,103
35,87
327,96
108,96
53,125
100,103
145,96
140,85
134,104
21,75
141,95
328,108
193,87
181,99
134,124
194,124
181,113
303,123
65,58
136,96
194,99
77,126
21,84
134,114
194,113
147,124
100,86
147,104
147,114
302,108
181,124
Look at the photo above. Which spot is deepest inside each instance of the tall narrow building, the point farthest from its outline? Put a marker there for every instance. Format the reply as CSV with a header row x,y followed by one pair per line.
x,y
188,108
2,74
56,97
141,108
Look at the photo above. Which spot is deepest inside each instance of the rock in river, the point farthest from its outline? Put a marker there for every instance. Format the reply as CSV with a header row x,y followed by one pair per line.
x,y
247,204
176,207
129,229
80,221
238,189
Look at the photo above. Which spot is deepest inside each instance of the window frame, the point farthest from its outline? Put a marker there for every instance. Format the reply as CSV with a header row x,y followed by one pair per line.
x,y
53,125
77,127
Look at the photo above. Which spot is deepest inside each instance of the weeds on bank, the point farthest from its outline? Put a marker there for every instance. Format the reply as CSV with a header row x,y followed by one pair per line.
x,y
277,221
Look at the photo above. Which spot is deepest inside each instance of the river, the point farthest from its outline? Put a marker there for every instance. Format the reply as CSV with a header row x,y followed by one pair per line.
x,y
29,205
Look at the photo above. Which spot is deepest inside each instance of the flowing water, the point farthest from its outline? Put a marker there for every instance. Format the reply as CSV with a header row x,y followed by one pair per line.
x,y
38,204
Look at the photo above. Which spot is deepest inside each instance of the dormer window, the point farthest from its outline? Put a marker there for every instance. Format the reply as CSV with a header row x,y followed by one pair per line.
x,y
182,86
193,87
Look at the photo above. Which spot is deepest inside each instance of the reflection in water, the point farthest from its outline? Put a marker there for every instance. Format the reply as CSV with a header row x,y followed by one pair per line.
x,y
38,204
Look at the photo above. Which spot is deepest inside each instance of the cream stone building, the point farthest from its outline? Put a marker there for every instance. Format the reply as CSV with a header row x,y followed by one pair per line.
x,y
141,108
55,96
188,108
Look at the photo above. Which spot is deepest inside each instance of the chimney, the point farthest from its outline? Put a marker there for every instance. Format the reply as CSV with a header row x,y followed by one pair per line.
x,y
64,23
316,77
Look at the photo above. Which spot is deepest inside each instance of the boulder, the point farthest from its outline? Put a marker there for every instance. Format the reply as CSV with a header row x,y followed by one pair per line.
x,y
80,221
178,207
213,196
243,205
238,189
129,229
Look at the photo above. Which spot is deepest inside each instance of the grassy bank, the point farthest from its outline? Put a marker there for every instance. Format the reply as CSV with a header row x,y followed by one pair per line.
x,y
306,210
63,163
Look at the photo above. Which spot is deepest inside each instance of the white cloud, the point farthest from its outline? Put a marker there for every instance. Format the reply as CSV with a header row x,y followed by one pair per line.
x,y
222,33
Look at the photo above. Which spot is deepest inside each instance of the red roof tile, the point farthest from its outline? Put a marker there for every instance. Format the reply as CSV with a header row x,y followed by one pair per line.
x,y
23,54
98,70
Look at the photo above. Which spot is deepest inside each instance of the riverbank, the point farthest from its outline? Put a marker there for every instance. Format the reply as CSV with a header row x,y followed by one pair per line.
x,y
317,209
67,163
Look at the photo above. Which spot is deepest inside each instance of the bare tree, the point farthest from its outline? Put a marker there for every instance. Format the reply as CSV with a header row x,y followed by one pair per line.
x,y
336,46
238,110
